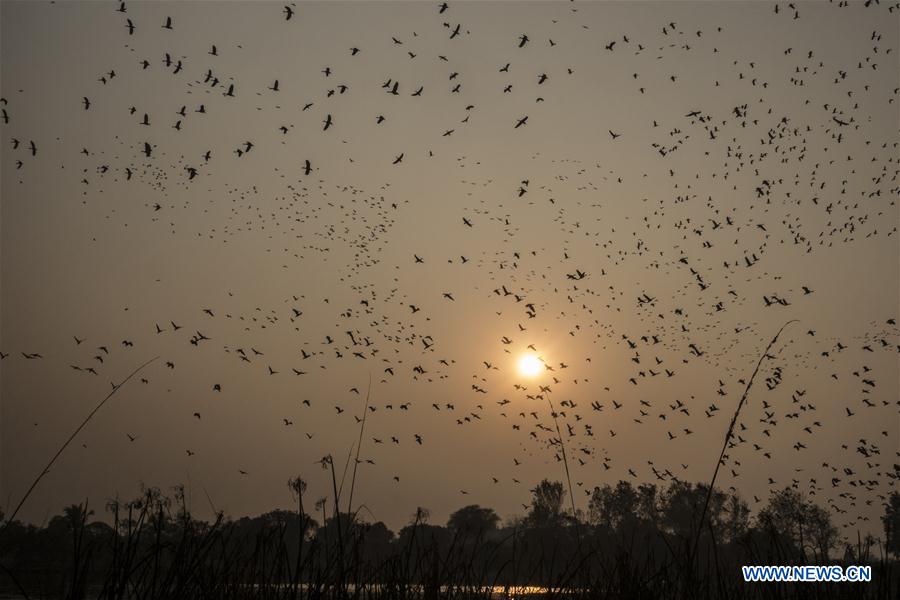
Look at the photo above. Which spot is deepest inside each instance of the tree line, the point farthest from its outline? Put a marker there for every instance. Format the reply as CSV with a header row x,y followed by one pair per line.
x,y
630,541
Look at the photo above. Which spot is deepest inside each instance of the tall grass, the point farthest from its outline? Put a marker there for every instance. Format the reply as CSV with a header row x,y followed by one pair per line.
x,y
65,444
154,548
729,435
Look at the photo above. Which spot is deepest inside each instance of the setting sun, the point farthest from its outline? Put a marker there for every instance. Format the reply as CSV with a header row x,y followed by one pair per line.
x,y
530,365
581,378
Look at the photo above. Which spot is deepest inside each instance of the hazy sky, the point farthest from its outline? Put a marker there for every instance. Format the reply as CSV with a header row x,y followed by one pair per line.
x,y
689,173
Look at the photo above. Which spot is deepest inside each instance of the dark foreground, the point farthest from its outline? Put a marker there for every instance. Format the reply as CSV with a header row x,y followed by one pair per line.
x,y
634,543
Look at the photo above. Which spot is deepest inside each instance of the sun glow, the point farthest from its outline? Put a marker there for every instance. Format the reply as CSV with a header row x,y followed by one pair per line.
x,y
530,365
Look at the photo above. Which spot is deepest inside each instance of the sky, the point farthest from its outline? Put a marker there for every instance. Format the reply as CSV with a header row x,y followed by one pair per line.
x,y
283,203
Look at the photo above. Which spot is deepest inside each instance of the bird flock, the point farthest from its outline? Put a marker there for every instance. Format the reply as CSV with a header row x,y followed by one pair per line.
x,y
328,218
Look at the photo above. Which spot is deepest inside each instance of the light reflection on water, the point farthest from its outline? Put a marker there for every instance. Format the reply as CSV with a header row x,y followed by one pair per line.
x,y
498,592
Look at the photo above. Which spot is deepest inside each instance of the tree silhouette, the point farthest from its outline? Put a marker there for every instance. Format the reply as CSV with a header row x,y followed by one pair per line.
x,y
473,521
611,507
546,504
891,522
801,524
635,544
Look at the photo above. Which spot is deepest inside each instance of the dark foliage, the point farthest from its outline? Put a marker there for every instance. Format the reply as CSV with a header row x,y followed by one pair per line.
x,y
632,543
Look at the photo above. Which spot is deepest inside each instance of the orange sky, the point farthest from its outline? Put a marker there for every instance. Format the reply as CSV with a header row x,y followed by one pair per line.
x,y
754,154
